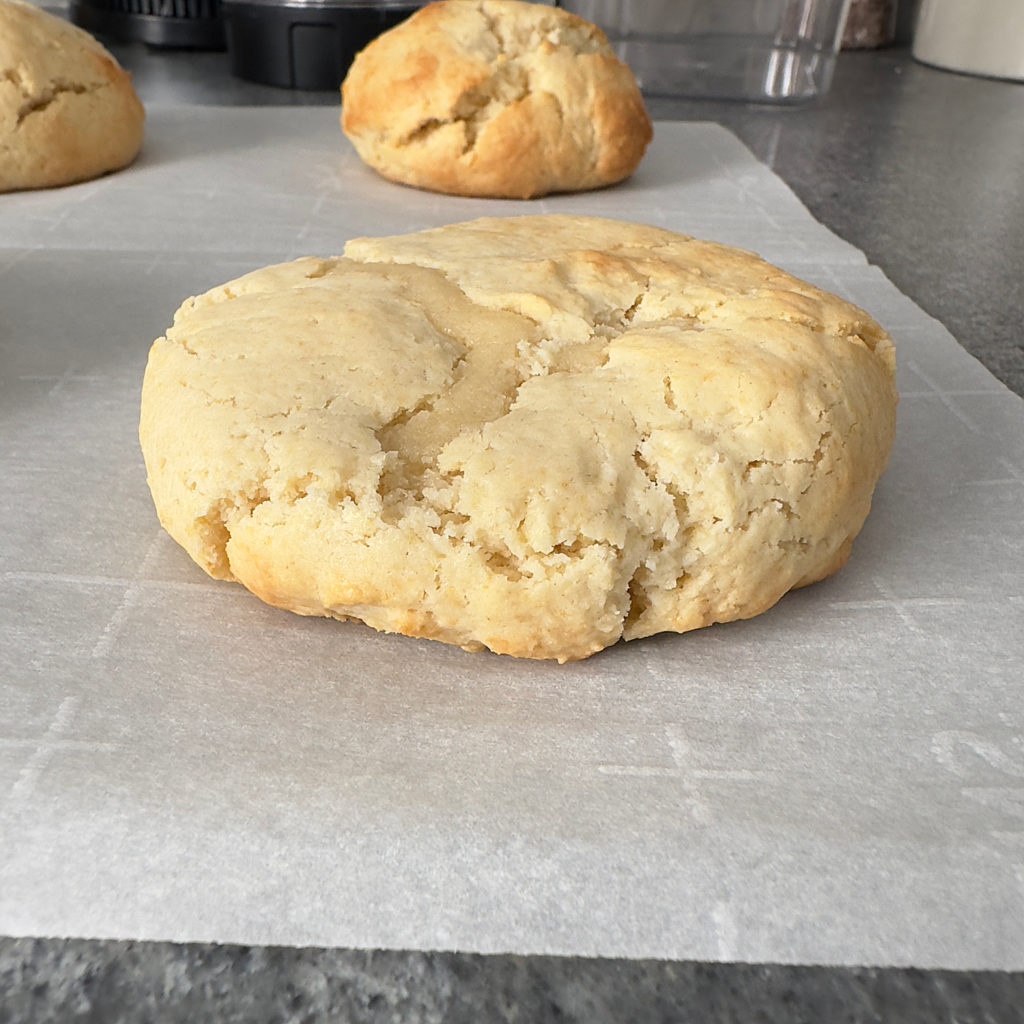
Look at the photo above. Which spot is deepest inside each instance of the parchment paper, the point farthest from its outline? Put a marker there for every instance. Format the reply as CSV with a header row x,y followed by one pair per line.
x,y
840,780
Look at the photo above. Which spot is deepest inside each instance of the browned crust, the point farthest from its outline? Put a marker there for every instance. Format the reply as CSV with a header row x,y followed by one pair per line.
x,y
68,111
424,107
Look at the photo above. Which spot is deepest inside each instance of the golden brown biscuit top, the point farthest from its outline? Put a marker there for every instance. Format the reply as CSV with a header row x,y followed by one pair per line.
x,y
495,98
67,109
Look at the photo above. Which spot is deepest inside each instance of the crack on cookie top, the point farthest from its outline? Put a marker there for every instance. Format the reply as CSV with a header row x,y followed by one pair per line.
x,y
507,85
509,41
39,101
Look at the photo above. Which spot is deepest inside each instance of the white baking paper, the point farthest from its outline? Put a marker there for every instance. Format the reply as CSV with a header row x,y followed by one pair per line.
x,y
840,780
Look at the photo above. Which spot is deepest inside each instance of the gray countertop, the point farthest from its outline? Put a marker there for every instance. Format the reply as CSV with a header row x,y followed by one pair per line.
x,y
924,171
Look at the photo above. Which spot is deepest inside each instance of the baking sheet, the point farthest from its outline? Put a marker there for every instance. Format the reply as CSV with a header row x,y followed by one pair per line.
x,y
840,780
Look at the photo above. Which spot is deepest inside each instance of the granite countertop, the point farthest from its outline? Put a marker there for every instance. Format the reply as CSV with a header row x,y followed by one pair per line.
x,y
924,171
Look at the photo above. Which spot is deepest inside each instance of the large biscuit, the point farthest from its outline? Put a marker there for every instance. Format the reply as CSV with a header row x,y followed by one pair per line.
x,y
533,434
68,111
495,98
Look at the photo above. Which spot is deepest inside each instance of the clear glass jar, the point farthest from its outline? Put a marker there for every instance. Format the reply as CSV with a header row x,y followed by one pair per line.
x,y
777,51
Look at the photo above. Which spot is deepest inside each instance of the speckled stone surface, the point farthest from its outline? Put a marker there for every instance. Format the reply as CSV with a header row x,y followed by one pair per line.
x,y
924,171
122,982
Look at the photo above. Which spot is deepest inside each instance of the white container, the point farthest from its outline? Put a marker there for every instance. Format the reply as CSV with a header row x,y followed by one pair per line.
x,y
980,37
777,51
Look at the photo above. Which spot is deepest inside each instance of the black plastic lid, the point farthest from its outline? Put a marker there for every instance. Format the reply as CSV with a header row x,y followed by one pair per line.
x,y
184,24
304,45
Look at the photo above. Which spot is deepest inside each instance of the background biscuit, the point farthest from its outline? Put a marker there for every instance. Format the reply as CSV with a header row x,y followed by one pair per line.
x,y
495,98
68,111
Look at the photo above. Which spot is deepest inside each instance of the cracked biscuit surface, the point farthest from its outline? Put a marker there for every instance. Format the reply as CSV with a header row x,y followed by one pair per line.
x,y
537,435
68,111
495,98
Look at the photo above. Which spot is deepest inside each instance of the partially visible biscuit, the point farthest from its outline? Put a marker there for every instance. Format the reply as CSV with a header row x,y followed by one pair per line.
x,y
538,435
495,98
68,111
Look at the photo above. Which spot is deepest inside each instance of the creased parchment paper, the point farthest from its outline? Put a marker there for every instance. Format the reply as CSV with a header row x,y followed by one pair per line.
x,y
838,781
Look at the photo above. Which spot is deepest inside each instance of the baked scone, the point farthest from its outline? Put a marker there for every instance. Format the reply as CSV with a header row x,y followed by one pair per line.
x,y
533,434
495,98
68,111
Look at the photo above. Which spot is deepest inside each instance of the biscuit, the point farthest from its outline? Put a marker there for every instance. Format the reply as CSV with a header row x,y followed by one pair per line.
x,y
495,98
68,111
532,434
